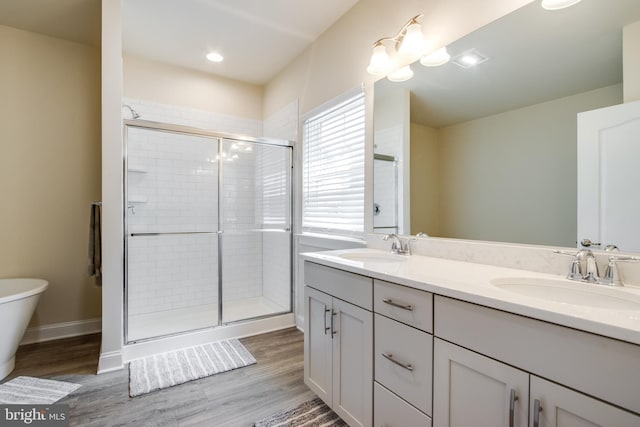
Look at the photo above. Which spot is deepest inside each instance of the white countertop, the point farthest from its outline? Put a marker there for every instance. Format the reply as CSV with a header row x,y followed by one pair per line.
x,y
472,283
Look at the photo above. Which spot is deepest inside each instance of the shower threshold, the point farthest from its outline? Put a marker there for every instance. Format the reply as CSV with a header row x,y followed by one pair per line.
x,y
168,322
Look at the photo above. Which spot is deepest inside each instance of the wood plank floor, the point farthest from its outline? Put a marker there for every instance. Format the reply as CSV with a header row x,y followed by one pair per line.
x,y
235,399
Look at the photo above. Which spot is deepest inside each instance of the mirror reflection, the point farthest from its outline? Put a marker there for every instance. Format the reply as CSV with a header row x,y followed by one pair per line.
x,y
489,152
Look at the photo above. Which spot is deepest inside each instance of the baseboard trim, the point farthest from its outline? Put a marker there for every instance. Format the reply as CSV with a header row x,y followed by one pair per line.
x,y
61,330
110,361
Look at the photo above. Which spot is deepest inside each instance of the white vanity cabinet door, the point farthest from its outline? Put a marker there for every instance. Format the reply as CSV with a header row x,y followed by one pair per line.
x,y
338,355
562,407
391,411
473,390
353,363
318,343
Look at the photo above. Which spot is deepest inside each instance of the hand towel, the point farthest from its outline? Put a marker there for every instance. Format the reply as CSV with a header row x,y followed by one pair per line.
x,y
95,244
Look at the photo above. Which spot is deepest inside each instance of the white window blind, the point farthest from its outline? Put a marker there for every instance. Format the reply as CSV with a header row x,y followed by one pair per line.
x,y
333,169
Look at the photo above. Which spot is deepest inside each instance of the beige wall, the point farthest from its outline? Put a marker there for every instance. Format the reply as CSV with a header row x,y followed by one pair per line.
x,y
337,60
168,84
631,62
49,168
425,175
511,177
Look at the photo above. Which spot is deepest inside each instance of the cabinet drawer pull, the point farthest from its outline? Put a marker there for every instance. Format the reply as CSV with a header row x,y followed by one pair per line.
x,y
512,406
536,413
326,328
395,304
389,357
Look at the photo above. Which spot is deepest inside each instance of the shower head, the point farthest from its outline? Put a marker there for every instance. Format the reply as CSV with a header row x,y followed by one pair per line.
x,y
134,113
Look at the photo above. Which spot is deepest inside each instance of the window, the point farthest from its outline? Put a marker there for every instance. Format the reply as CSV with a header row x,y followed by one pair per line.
x,y
333,168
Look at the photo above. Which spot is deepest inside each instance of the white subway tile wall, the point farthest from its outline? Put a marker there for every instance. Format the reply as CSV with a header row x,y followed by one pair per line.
x,y
172,187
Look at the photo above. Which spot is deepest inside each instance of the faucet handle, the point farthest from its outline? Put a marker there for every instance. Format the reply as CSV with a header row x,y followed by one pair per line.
x,y
575,271
586,243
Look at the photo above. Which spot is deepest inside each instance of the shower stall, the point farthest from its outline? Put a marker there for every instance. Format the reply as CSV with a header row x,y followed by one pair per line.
x,y
208,239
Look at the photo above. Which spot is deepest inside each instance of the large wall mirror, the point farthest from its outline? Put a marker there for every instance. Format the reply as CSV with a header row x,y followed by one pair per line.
x,y
488,152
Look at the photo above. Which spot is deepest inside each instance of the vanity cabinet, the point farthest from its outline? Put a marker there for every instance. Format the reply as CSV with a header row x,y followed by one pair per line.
x,y
492,367
338,341
471,389
442,361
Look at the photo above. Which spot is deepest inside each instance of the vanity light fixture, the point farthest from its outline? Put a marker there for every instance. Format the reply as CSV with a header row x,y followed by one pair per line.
x,y
215,57
558,4
436,58
469,59
401,74
409,44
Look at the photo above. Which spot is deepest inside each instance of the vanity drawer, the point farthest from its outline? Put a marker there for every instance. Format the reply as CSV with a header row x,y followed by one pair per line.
x,y
346,286
391,411
403,361
406,305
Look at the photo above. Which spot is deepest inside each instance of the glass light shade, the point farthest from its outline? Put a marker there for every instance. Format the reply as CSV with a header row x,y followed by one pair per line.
x,y
558,4
380,63
436,58
413,41
401,74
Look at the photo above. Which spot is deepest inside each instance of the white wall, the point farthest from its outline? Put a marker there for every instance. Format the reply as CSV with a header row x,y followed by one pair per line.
x,y
49,169
112,226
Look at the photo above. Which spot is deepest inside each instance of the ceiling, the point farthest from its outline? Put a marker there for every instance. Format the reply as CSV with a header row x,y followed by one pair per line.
x,y
258,38
535,56
73,20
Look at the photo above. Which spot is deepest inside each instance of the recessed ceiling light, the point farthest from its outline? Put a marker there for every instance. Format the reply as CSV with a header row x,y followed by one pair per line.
x,y
215,57
469,59
558,4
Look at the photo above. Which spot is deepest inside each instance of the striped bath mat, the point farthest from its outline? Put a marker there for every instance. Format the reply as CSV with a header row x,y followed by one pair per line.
x,y
313,413
179,366
34,391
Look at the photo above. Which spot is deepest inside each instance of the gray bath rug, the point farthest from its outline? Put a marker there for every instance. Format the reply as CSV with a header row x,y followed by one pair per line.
x,y
34,391
179,366
313,413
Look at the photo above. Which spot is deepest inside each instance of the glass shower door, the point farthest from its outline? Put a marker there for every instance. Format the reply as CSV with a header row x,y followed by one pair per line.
x,y
256,229
172,233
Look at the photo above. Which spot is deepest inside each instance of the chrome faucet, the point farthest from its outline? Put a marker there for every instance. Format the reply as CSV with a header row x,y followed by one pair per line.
x,y
585,269
583,266
399,246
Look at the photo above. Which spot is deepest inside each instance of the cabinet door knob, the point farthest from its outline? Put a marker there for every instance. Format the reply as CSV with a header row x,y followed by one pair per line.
x,y
512,407
536,413
326,328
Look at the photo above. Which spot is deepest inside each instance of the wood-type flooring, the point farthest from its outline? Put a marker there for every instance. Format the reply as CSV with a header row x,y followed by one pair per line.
x,y
236,398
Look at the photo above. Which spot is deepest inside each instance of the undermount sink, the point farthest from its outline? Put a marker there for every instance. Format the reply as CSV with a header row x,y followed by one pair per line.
x,y
373,257
567,292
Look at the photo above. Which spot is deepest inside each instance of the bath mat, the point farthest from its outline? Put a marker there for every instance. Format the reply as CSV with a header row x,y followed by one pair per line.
x,y
34,391
179,366
313,413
